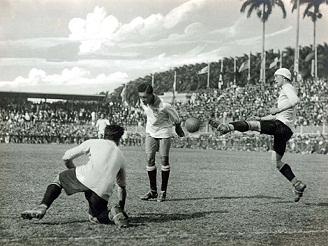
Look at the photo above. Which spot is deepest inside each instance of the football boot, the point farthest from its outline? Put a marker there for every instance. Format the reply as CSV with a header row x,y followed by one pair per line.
x,y
149,195
299,188
161,196
37,212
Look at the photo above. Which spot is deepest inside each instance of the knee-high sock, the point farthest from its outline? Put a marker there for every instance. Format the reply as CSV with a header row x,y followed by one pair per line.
x,y
152,177
51,194
241,126
287,172
165,177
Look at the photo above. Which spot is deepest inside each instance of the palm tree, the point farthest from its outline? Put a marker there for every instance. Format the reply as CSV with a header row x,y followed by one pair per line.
x,y
264,10
312,10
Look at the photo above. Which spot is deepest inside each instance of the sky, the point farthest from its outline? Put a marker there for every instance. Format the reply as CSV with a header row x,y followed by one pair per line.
x,y
93,46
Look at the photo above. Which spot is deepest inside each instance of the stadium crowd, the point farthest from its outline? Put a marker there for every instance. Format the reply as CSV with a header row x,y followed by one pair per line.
x,y
74,121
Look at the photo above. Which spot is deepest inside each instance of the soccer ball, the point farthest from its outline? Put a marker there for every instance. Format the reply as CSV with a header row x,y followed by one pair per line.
x,y
192,124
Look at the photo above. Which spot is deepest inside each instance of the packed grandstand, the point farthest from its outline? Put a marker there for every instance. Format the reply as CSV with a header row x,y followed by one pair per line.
x,y
73,121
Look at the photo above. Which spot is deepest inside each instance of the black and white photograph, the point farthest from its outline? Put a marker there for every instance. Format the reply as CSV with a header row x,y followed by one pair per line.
x,y
163,122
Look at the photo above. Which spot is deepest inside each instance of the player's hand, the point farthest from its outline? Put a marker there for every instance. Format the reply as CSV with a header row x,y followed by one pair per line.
x,y
274,111
179,130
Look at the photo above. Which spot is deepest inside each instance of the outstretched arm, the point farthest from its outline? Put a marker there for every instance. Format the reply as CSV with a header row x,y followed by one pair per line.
x,y
121,192
121,187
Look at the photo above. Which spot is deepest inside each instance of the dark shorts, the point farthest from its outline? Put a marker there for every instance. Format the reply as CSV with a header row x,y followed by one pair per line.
x,y
281,134
72,185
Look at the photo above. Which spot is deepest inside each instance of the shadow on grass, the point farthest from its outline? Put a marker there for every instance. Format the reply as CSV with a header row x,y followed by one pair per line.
x,y
141,219
319,204
64,222
224,198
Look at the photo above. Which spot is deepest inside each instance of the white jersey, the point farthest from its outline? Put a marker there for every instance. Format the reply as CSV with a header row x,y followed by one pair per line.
x,y
160,118
105,168
287,96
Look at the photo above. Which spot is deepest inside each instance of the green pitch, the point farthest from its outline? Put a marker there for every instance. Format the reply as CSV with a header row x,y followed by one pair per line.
x,y
214,198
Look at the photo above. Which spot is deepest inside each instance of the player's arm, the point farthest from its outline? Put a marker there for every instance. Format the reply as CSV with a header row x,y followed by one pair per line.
x,y
73,153
293,100
174,117
121,188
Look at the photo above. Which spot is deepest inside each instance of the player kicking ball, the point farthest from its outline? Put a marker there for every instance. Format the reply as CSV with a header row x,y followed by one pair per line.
x,y
96,179
279,124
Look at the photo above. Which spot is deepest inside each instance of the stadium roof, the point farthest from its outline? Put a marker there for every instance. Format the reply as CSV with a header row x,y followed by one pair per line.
x,y
52,96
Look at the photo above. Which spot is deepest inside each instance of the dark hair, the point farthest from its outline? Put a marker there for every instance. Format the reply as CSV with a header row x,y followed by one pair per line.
x,y
144,87
113,132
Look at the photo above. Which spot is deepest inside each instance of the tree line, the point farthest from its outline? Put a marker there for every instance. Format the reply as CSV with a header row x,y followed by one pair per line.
x,y
188,80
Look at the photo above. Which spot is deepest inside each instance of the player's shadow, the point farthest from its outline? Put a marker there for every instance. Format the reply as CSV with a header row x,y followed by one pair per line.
x,y
319,204
225,198
142,219
64,222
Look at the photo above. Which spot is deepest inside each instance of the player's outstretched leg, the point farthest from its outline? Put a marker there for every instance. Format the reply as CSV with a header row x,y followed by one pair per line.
x,y
37,212
299,188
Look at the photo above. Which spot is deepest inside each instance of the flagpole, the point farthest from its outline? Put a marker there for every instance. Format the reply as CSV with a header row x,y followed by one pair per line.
x,y
221,78
296,68
249,68
280,54
208,76
174,85
153,80
234,70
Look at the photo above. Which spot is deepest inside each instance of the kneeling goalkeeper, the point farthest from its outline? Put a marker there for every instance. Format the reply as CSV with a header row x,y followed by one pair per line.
x,y
97,179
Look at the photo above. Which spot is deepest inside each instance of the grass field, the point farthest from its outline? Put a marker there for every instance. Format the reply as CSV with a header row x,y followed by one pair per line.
x,y
214,198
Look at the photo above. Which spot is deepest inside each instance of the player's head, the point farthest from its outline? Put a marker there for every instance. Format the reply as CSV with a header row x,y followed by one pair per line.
x,y
282,74
146,93
113,132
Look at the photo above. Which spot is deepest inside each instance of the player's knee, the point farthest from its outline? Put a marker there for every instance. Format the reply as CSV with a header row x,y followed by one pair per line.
x,y
165,160
279,165
150,160
254,125
57,182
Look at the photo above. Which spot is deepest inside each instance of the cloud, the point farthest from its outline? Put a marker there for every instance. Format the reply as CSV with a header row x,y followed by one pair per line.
x,y
98,31
75,79
257,39
182,13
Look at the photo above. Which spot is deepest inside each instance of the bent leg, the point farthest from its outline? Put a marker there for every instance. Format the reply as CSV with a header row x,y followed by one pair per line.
x,y
52,192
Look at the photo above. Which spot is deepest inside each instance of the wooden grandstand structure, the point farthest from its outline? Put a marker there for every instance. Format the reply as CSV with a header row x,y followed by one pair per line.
x,y
45,96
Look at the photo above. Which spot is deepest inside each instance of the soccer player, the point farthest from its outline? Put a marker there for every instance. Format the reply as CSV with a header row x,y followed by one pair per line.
x,y
97,179
278,123
101,124
161,117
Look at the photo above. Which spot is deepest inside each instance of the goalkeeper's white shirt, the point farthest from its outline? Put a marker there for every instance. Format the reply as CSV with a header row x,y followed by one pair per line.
x,y
105,168
287,96
160,118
